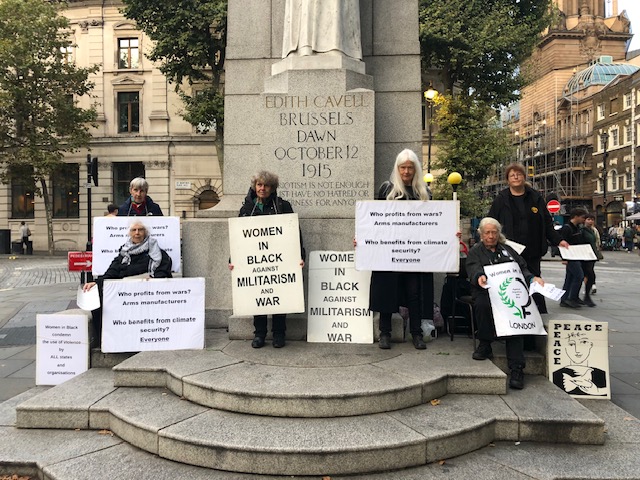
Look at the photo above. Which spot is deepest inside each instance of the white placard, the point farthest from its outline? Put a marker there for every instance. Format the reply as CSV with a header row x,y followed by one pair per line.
x,y
152,314
577,252
338,300
407,236
514,311
62,347
89,300
578,353
267,277
110,233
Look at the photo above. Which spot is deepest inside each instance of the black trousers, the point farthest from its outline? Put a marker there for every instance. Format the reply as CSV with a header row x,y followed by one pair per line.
x,y
487,331
588,268
409,283
278,327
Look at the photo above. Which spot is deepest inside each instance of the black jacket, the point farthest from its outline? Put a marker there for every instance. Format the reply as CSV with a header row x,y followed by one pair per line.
x,y
573,234
139,264
151,208
538,221
274,205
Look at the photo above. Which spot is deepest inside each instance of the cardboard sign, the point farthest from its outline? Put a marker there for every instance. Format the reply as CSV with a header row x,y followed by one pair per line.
x,y
578,353
267,277
110,233
407,236
62,347
152,314
338,300
514,311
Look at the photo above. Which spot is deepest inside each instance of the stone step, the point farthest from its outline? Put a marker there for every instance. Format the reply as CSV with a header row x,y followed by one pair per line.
x,y
162,423
311,379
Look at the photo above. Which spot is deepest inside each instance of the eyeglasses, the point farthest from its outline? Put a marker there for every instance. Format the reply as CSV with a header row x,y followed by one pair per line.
x,y
515,175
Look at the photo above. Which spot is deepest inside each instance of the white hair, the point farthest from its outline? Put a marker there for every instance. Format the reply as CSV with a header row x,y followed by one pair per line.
x,y
492,221
399,189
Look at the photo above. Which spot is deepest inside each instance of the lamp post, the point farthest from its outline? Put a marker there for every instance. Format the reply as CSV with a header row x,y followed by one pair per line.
x,y
430,97
604,138
428,178
454,180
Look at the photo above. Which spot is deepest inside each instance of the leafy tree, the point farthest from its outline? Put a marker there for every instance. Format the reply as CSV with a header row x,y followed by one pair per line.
x,y
189,44
480,44
39,117
473,143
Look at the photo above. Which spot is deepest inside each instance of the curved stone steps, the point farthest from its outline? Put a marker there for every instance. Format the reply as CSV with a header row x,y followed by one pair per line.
x,y
312,380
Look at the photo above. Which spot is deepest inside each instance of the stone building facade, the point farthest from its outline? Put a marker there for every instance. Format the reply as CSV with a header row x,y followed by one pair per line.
x,y
140,133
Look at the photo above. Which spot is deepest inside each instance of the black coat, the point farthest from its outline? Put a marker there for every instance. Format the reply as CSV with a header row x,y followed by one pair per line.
x,y
139,264
274,205
573,234
151,208
537,219
385,294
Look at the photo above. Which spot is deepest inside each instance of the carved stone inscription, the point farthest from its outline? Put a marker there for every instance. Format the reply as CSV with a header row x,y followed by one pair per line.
x,y
321,146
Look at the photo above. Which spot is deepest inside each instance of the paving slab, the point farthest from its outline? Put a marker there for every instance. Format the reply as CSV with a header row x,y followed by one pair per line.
x,y
8,408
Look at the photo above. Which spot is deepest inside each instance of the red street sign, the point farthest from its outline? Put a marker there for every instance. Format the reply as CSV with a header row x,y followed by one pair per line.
x,y
553,206
80,261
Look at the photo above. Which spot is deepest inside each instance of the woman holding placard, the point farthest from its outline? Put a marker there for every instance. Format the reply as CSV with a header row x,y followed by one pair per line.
x,y
139,256
263,199
390,290
493,250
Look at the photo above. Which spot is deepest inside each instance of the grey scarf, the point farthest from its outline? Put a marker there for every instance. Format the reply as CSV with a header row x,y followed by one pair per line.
x,y
149,245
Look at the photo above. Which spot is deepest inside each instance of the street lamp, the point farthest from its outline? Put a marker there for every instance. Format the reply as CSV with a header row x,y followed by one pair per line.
x,y
604,139
454,180
430,96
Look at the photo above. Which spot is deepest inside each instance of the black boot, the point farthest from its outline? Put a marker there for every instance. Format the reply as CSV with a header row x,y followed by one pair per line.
x,y
385,341
588,302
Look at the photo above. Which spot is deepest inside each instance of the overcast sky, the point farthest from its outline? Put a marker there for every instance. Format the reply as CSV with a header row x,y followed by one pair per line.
x,y
633,12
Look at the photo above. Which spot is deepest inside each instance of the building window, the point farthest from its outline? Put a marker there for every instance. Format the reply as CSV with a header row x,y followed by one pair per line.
x,y
603,144
128,53
123,173
22,194
67,54
208,199
66,187
627,133
628,180
612,106
600,110
615,140
128,112
614,180
627,101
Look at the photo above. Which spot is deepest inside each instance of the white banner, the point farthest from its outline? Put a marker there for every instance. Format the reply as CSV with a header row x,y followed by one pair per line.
x,y
110,233
267,277
407,236
152,314
578,353
514,311
338,300
62,347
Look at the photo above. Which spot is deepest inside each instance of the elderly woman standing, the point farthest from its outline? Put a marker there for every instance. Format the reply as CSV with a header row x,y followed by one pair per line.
x,y
139,204
263,199
140,255
390,290
492,250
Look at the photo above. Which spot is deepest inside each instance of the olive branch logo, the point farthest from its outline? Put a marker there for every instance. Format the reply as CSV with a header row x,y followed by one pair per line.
x,y
502,291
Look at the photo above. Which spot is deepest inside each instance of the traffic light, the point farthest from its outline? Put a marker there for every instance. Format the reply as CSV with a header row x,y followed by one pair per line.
x,y
531,171
94,170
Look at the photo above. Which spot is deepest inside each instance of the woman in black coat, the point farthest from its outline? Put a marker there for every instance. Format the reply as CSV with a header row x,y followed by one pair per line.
x,y
390,290
263,199
140,255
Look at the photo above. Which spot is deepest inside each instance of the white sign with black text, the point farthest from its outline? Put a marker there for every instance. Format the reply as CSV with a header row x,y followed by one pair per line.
x,y
407,236
514,311
110,233
267,276
62,347
338,300
152,314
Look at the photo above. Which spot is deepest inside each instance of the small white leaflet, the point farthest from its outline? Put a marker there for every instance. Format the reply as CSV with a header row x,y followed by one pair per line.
x,y
518,247
88,300
549,290
577,252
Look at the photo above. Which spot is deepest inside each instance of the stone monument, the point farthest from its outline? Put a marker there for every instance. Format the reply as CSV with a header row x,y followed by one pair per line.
x,y
324,93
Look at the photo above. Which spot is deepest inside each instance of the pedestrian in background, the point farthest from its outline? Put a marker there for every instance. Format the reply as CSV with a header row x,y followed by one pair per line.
x,y
628,238
112,210
25,233
592,236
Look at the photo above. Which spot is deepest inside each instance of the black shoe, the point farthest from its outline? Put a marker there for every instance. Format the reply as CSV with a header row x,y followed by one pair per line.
x,y
258,342
570,304
483,352
278,341
588,302
385,341
580,302
418,342
516,381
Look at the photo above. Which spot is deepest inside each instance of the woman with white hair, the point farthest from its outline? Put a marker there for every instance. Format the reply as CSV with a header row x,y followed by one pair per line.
x,y
492,250
139,204
390,290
